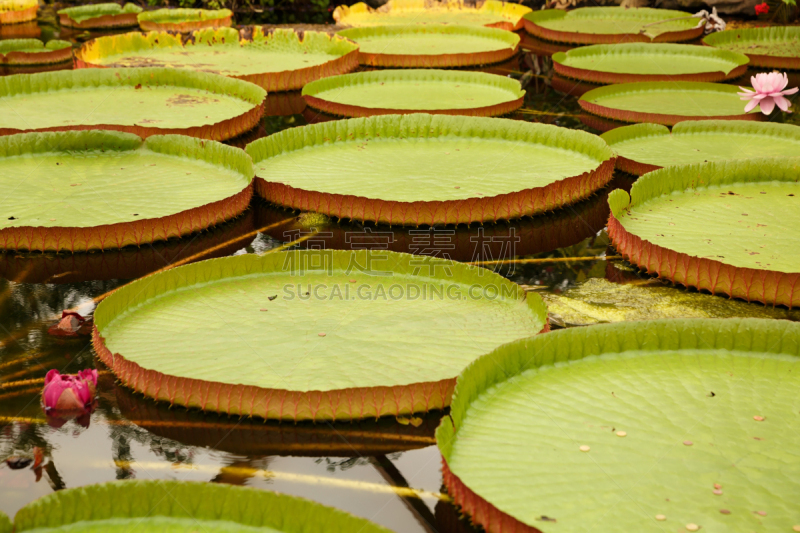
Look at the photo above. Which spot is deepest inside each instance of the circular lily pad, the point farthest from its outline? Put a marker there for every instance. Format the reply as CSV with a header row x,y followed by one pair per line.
x,y
773,47
642,148
725,227
144,101
34,52
446,92
669,425
281,60
316,335
15,11
491,13
420,46
94,190
184,20
181,507
109,15
629,62
612,25
429,169
667,103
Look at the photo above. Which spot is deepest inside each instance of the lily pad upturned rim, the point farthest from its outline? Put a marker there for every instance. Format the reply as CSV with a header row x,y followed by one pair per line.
x,y
512,86
657,118
510,39
184,19
532,19
507,10
67,79
770,34
637,131
282,404
89,52
18,11
761,285
118,235
561,64
108,15
507,206
194,500
21,52
512,359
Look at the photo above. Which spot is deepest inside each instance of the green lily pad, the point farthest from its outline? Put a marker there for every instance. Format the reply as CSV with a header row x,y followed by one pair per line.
x,y
281,60
631,427
643,148
726,227
409,91
612,25
34,52
108,15
142,101
432,46
177,507
429,169
630,62
95,189
775,47
184,19
667,103
315,334
5,523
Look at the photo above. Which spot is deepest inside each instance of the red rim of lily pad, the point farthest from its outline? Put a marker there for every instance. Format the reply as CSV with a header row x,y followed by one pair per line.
x,y
99,16
19,15
159,20
754,285
571,87
504,206
123,20
54,52
775,34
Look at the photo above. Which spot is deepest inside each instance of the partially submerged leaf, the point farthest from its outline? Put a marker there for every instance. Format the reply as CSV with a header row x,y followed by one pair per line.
x,y
34,52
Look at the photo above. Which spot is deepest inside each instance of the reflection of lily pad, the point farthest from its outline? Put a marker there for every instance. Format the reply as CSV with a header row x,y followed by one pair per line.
x,y
492,13
429,169
181,507
775,47
108,15
34,52
643,426
415,91
281,60
184,20
667,102
15,11
316,335
612,25
728,227
95,190
642,148
629,62
144,101
432,46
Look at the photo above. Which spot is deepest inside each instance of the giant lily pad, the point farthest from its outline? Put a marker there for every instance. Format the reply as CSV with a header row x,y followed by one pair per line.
x,y
95,190
184,20
15,11
181,507
281,60
628,62
316,335
423,46
670,425
725,227
34,52
492,13
612,25
415,91
144,101
667,103
643,148
774,47
109,15
429,169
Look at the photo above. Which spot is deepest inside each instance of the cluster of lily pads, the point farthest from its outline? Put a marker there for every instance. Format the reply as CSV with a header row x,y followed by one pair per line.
x,y
614,427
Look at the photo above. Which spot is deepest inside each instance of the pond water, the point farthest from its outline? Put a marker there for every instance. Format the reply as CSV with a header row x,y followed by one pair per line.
x,y
386,470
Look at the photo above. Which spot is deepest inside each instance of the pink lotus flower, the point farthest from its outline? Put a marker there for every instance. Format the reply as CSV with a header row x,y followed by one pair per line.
x,y
769,92
69,392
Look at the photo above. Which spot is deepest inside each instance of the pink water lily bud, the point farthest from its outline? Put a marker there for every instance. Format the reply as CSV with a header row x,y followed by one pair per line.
x,y
69,392
770,90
